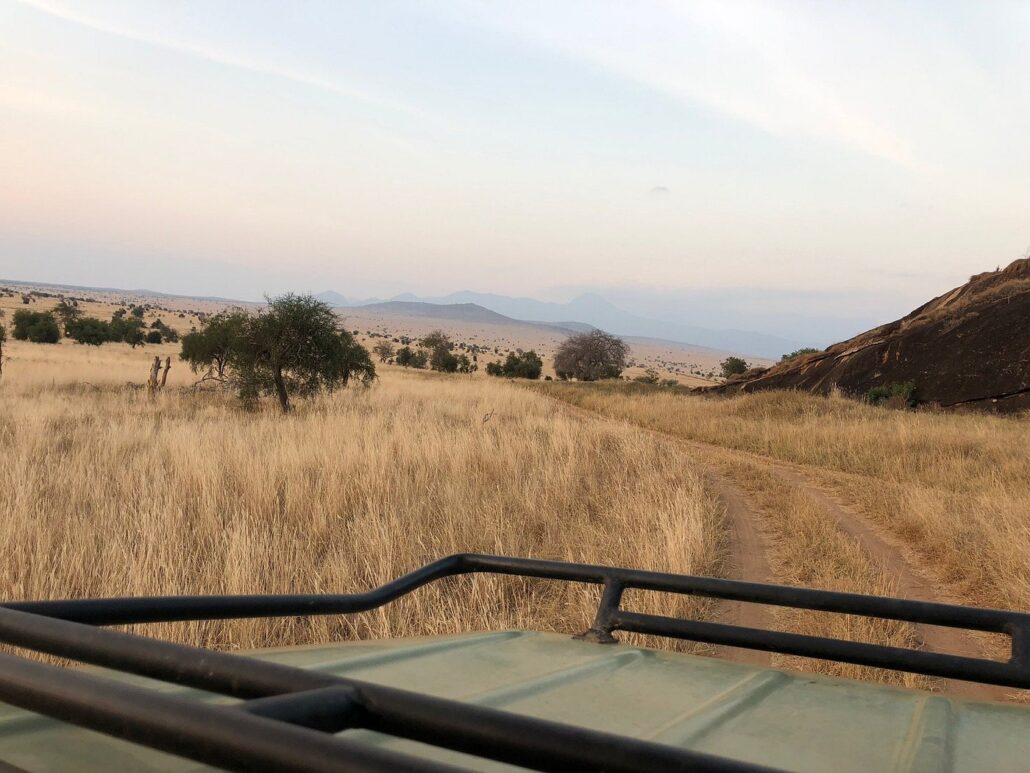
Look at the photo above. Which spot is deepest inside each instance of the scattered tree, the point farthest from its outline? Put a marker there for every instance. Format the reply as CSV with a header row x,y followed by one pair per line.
x,y
296,347
412,358
213,347
39,327
88,330
517,365
591,356
384,350
67,312
153,337
733,366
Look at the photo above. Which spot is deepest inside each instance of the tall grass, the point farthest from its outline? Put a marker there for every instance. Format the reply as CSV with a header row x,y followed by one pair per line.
x,y
107,492
954,487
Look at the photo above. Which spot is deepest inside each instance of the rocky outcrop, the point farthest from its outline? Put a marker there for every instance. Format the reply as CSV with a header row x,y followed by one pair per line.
x,y
969,347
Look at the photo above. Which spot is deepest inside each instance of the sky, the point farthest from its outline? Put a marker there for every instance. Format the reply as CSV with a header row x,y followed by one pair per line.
x,y
796,166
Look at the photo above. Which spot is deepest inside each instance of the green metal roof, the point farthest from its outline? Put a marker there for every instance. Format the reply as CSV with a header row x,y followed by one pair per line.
x,y
786,720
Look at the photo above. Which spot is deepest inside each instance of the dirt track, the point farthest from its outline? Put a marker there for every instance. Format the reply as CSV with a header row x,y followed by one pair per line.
x,y
748,559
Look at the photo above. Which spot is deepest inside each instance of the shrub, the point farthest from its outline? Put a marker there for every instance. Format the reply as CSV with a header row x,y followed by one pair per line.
x,y
154,337
411,358
39,327
443,360
733,366
903,394
799,353
517,365
649,376
89,330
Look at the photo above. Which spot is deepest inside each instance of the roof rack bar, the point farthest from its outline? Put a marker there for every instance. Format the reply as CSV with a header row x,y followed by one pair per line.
x,y
859,653
118,611
214,735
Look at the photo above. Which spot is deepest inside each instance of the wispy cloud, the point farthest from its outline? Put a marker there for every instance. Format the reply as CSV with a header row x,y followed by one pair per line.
x,y
217,57
759,63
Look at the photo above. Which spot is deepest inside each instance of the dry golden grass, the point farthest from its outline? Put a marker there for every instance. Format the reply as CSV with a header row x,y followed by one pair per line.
x,y
954,487
107,492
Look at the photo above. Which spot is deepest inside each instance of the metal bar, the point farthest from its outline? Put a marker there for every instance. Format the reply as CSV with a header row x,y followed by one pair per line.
x,y
329,709
213,735
859,653
174,608
444,723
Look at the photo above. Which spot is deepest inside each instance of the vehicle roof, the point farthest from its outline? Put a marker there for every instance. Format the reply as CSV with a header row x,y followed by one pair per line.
x,y
786,720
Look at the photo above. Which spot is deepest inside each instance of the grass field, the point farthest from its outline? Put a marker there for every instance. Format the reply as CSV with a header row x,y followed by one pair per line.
x,y
108,491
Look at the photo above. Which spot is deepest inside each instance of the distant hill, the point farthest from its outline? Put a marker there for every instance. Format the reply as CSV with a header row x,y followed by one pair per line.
x,y
590,310
461,312
970,346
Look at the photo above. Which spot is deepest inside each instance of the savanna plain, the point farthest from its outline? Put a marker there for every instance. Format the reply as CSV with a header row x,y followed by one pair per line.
x,y
108,490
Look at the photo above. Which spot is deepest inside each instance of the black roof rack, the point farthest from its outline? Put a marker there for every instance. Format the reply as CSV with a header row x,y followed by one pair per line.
x,y
288,715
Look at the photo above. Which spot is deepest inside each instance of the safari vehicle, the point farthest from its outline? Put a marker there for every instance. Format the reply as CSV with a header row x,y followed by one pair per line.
x,y
498,699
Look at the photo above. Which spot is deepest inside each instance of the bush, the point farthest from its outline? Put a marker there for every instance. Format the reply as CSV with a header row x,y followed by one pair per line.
x,y
517,365
903,394
39,327
442,360
411,358
154,337
733,366
89,330
649,376
799,353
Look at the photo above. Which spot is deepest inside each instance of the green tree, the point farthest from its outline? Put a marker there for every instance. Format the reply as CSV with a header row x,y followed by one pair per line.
x,y
591,356
154,337
296,347
213,347
36,326
383,350
89,330
437,340
733,366
517,365
443,360
67,312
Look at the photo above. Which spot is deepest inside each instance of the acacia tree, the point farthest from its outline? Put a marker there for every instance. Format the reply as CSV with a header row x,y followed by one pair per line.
x,y
213,347
295,346
733,366
591,356
68,313
384,350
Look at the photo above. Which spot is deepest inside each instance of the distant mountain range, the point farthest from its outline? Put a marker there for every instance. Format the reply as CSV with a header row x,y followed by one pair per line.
x,y
584,311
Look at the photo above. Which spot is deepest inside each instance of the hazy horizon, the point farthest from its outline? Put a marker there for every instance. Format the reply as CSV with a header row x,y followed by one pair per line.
x,y
788,167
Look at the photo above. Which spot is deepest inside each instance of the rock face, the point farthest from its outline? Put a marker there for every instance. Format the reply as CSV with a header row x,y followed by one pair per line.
x,y
969,347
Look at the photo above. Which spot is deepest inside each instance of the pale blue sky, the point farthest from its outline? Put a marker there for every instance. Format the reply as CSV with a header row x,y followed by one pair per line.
x,y
834,162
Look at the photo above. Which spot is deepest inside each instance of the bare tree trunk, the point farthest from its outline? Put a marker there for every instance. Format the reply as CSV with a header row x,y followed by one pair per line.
x,y
280,390
164,376
155,369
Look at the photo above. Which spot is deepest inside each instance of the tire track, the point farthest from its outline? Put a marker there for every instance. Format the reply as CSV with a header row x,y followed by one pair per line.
x,y
749,550
747,559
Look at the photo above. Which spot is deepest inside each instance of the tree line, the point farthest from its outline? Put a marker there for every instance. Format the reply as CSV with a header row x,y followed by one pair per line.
x,y
125,326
